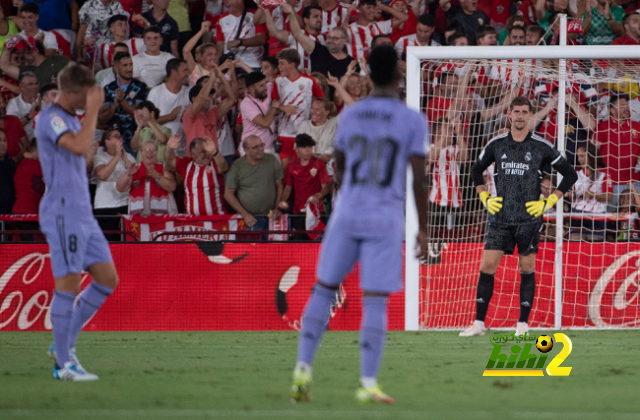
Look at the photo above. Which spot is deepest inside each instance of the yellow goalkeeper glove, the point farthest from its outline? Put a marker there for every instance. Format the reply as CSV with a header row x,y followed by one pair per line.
x,y
493,204
536,208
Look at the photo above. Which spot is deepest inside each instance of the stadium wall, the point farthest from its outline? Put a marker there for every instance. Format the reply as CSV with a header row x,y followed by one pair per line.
x,y
240,286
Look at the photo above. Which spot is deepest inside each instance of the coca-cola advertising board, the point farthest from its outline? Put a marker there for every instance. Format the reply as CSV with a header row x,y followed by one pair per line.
x,y
186,286
600,287
210,286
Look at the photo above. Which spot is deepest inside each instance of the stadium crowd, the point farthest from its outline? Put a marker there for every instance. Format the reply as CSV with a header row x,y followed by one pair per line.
x,y
228,106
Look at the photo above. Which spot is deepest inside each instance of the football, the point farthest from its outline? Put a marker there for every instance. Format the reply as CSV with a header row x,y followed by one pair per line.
x,y
544,343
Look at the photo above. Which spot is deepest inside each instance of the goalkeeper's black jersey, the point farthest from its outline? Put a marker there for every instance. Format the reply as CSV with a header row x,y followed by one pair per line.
x,y
517,173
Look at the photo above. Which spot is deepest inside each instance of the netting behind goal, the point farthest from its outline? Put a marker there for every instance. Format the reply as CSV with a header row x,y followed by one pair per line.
x,y
466,102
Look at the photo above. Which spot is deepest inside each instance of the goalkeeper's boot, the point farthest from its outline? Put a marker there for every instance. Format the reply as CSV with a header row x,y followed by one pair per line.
x,y
521,328
474,329
70,372
72,356
372,395
301,388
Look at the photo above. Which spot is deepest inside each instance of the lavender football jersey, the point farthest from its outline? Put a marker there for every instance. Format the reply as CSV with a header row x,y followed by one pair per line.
x,y
377,137
65,173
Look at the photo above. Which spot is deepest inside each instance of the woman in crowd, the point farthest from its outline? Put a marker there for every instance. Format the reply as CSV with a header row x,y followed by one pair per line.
x,y
205,57
149,129
590,194
110,163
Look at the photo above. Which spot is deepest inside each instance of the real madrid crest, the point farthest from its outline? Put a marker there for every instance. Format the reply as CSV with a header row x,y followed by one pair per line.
x,y
527,157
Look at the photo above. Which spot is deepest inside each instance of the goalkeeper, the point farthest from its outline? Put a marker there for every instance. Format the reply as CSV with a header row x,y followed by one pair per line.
x,y
518,155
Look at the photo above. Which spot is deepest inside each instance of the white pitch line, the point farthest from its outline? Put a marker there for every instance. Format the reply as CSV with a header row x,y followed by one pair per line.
x,y
422,414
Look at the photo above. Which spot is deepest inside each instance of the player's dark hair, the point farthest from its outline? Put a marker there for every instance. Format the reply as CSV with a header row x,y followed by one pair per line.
x,y
520,101
120,55
451,40
153,29
427,19
47,88
373,3
305,140
30,7
306,12
290,55
376,40
173,65
116,18
151,107
484,30
120,45
383,65
26,74
74,77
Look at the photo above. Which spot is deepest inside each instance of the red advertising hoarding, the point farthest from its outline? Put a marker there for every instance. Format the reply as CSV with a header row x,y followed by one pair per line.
x,y
211,286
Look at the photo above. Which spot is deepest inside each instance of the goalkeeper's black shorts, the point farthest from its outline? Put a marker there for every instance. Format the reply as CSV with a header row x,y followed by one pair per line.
x,y
505,238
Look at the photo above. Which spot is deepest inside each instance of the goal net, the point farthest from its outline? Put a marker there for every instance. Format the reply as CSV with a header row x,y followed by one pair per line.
x,y
586,106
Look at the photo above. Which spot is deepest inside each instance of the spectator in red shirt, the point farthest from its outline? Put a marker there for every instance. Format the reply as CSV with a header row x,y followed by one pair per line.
x,y
202,175
447,90
29,186
307,177
619,141
7,172
14,130
631,23
200,120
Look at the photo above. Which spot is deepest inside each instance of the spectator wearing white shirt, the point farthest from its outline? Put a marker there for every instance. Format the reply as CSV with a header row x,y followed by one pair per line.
x,y
30,12
27,104
246,43
362,31
108,75
110,163
150,66
119,27
172,98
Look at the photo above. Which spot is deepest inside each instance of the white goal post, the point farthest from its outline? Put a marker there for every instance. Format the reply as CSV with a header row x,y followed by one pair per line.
x,y
414,88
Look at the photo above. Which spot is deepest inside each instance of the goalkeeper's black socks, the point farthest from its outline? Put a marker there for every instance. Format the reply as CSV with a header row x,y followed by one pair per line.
x,y
483,295
527,293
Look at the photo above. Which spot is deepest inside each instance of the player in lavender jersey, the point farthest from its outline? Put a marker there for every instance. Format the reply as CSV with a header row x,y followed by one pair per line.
x,y
75,240
377,137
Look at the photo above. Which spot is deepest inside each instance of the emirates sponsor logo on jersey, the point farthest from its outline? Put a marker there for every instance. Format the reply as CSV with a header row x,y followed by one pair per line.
x,y
515,168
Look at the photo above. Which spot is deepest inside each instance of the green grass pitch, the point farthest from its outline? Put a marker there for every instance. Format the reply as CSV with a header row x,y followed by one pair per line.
x,y
230,375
